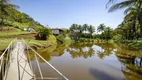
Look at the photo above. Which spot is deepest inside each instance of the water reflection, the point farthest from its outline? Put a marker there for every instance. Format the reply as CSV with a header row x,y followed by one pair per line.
x,y
81,50
106,50
130,61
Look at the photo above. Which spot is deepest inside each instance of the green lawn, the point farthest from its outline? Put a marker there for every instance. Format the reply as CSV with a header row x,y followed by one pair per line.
x,y
4,43
13,33
42,43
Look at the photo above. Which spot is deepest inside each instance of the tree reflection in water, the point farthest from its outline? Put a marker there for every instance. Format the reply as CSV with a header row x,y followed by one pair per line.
x,y
106,50
81,50
131,61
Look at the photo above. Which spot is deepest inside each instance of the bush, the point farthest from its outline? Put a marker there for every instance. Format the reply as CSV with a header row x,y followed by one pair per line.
x,y
43,33
117,37
61,37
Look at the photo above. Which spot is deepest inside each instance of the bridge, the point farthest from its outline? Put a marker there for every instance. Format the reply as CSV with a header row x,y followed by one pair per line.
x,y
16,64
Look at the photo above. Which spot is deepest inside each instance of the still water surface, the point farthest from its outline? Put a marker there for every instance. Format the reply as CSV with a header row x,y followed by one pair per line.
x,y
85,61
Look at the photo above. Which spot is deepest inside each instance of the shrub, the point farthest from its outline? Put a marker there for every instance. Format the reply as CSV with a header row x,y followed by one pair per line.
x,y
43,33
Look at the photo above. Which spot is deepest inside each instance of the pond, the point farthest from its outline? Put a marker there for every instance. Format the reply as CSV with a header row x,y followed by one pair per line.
x,y
86,61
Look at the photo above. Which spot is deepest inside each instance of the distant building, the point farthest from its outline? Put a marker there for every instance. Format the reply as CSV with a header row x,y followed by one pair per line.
x,y
29,29
57,31
25,29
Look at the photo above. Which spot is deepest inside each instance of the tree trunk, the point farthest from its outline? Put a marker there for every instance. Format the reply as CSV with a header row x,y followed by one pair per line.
x,y
134,28
141,27
140,22
2,22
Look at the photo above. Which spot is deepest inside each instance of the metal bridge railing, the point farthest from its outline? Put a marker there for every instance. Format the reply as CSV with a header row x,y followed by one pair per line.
x,y
36,55
5,60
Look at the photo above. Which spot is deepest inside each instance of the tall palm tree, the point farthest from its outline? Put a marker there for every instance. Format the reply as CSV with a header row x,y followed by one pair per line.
x,y
80,29
127,4
91,29
101,28
132,17
85,26
5,6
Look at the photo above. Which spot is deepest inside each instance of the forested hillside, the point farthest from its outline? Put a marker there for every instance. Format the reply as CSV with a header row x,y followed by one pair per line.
x,y
10,16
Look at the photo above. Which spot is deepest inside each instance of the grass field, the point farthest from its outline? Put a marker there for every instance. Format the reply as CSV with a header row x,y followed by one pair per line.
x,y
42,43
4,42
13,33
8,31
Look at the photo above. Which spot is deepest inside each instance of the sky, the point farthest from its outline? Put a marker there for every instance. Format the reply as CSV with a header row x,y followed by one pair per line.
x,y
63,13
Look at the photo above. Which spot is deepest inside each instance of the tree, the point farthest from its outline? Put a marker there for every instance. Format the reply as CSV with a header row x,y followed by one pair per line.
x,y
43,33
80,28
73,27
127,4
91,29
85,26
108,33
5,6
101,28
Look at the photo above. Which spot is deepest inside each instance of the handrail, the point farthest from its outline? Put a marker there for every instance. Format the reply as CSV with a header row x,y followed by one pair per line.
x,y
5,61
45,61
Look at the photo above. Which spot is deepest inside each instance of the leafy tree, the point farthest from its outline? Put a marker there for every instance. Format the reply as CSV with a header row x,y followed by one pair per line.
x,y
135,5
73,27
85,27
108,33
101,28
80,28
91,30
5,6
43,33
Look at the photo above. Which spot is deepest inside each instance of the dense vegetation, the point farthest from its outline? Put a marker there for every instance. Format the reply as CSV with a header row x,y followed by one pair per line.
x,y
131,26
129,29
10,16
14,23
132,23
86,31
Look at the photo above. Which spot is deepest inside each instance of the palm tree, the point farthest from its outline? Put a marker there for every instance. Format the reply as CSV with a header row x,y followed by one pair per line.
x,y
132,17
127,4
91,29
101,28
108,33
80,29
73,27
5,6
85,26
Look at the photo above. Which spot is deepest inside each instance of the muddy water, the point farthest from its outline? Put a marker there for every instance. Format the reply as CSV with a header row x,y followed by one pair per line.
x,y
92,62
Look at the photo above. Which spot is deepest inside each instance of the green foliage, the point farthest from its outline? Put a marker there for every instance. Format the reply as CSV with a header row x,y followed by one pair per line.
x,y
61,38
64,39
43,33
5,6
101,28
117,37
133,44
108,33
9,16
133,11
81,31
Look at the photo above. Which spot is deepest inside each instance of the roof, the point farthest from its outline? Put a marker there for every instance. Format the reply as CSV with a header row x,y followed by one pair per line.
x,y
57,29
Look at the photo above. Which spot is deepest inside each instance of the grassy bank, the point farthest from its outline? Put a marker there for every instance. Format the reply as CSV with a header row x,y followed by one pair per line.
x,y
31,41
5,42
87,40
42,43
13,33
133,44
